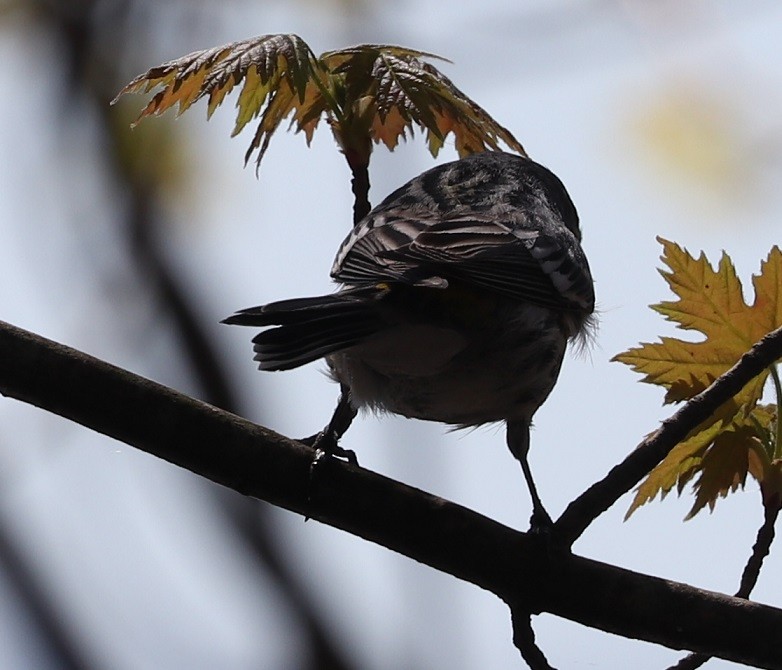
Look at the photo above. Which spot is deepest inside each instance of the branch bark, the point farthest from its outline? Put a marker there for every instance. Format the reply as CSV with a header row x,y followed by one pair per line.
x,y
520,569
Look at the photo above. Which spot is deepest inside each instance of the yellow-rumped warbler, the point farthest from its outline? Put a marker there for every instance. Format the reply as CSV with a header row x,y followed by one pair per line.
x,y
458,295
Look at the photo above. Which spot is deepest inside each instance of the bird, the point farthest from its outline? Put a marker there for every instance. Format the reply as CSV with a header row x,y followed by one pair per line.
x,y
457,296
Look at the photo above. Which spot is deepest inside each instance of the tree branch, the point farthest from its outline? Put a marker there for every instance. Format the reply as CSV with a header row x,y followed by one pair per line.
x,y
601,495
520,569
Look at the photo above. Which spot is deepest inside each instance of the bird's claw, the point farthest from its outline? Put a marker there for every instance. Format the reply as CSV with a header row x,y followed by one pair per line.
x,y
540,523
325,444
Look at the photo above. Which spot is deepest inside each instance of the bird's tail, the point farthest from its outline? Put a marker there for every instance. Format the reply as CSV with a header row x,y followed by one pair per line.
x,y
310,328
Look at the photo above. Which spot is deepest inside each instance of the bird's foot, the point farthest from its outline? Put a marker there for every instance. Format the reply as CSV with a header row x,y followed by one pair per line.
x,y
543,531
326,444
540,523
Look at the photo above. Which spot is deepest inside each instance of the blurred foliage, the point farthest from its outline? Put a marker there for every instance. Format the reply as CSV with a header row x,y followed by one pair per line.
x,y
155,155
742,436
696,136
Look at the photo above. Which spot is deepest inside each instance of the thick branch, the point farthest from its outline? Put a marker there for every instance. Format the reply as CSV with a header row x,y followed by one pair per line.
x,y
601,495
257,462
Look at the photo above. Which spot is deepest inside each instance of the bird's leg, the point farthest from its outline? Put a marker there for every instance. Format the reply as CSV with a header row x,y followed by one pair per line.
x,y
326,442
518,443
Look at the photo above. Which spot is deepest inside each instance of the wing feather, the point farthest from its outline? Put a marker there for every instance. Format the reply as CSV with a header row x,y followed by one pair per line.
x,y
498,221
524,265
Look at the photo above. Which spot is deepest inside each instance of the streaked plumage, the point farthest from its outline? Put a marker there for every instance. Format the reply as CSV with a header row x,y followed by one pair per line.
x,y
458,294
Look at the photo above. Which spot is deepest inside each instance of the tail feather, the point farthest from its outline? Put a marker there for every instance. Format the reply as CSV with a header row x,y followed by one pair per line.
x,y
310,328
298,310
291,346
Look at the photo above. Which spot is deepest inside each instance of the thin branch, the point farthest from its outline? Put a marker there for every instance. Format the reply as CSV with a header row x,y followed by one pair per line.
x,y
601,495
524,641
760,550
257,462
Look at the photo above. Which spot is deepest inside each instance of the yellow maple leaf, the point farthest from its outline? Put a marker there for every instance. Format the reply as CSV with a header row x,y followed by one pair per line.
x,y
711,301
720,455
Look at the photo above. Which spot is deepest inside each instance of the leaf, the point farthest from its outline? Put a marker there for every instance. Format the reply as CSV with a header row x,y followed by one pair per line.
x,y
407,92
768,472
679,466
280,75
721,456
368,93
710,301
723,467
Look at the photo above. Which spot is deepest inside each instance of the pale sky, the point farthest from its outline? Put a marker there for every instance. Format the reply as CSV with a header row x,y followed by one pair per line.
x,y
659,121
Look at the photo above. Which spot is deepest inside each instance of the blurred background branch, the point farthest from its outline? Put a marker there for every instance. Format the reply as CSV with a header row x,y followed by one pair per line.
x,y
139,168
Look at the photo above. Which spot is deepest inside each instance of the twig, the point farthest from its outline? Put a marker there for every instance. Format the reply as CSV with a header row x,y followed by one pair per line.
x,y
601,495
524,641
760,550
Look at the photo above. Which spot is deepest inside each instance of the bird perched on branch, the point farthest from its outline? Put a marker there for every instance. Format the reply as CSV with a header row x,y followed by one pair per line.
x,y
458,294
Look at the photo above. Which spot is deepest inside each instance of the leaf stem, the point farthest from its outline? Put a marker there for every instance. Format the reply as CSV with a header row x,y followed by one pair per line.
x,y
778,389
334,106
359,168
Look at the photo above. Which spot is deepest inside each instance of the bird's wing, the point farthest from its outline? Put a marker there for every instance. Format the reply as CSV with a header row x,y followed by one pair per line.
x,y
363,256
540,264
